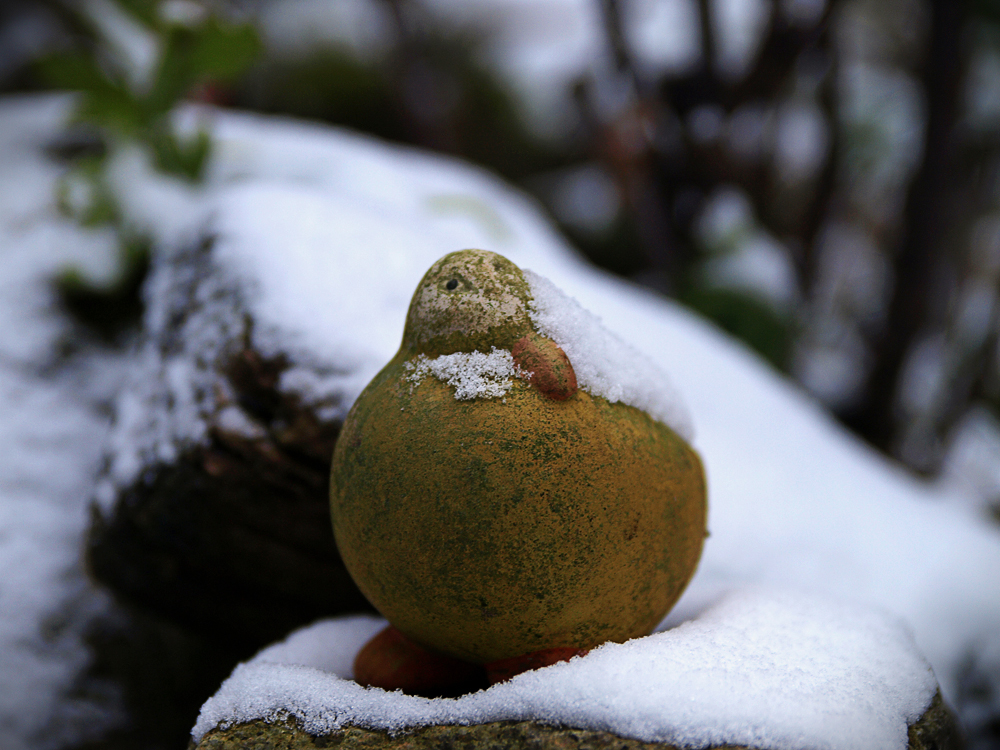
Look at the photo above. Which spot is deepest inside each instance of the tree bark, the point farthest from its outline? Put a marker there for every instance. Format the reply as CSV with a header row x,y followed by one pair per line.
x,y
921,254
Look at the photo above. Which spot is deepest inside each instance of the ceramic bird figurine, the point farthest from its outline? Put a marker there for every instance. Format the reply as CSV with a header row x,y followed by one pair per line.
x,y
494,511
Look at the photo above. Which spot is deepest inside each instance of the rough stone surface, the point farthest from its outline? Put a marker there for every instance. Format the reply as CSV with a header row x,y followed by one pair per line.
x,y
468,301
233,540
935,730
229,535
227,546
215,556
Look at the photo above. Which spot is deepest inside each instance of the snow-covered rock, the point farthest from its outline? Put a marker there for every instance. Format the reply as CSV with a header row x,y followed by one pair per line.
x,y
316,239
781,670
323,235
214,496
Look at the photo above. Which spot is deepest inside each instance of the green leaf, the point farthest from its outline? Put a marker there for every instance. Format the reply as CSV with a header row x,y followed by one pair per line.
x,y
73,71
104,102
113,308
82,194
191,56
223,52
747,318
210,50
114,109
144,11
186,158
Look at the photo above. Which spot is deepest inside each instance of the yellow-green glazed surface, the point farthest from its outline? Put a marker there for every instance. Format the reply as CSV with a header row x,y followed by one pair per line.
x,y
490,528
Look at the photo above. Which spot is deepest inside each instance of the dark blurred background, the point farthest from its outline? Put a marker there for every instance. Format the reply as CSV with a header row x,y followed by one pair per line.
x,y
821,178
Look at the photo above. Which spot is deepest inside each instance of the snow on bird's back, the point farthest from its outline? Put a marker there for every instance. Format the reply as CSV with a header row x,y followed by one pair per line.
x,y
604,364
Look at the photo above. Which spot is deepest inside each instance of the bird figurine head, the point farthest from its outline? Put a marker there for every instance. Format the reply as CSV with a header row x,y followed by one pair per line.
x,y
492,505
468,301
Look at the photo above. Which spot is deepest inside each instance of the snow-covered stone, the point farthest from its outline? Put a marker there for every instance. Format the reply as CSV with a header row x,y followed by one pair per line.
x,y
322,236
782,670
318,237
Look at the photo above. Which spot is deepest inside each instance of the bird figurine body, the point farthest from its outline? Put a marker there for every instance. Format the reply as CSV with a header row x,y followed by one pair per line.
x,y
490,506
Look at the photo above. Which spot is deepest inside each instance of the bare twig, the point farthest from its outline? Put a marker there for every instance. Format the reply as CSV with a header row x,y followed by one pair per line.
x,y
919,257
826,182
616,37
706,23
782,47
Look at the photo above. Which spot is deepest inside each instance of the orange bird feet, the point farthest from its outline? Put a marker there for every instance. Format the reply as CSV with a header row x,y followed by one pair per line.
x,y
392,661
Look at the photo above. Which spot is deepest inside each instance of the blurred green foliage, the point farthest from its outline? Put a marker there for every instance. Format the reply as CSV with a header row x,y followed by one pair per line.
x,y
746,317
460,108
191,52
988,10
328,85
121,103
108,310
83,195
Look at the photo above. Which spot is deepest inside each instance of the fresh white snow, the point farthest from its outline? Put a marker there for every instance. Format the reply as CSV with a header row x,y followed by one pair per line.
x,y
472,374
321,237
604,364
776,669
51,431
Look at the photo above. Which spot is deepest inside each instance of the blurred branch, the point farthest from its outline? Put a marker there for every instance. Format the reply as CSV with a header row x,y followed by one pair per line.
x,y
616,40
625,146
921,255
706,27
420,87
969,382
825,189
664,180
781,49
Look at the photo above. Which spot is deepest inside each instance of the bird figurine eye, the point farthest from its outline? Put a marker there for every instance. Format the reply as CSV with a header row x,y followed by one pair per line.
x,y
452,284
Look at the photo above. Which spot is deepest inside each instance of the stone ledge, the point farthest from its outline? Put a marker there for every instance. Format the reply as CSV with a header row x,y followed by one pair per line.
x,y
935,730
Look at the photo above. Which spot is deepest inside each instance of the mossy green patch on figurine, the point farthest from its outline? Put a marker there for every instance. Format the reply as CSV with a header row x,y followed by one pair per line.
x,y
490,513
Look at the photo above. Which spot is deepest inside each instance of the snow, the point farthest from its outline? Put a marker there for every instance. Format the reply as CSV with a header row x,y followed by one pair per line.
x,y
472,374
320,237
808,672
51,430
327,645
972,464
604,364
